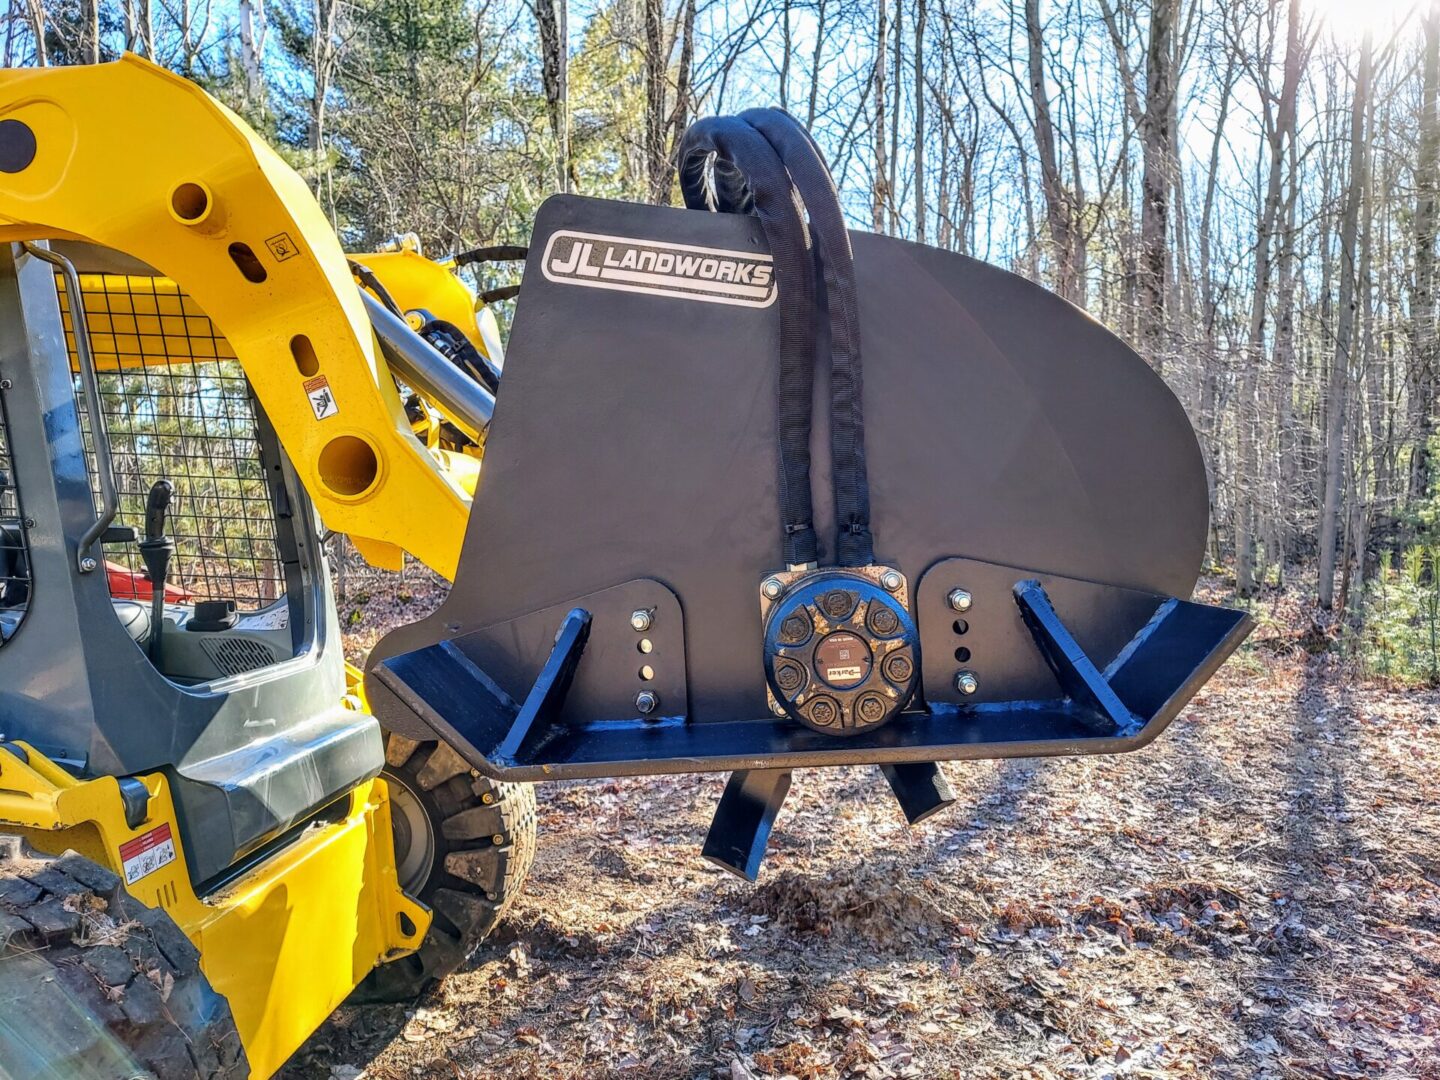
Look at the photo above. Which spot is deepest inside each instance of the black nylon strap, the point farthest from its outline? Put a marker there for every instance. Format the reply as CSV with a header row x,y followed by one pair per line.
x,y
749,177
854,545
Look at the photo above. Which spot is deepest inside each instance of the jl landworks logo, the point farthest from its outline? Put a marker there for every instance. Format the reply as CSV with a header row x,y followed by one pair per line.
x,y
626,264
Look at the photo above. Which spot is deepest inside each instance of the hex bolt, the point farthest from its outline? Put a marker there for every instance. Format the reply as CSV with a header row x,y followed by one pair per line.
x,y
892,580
837,604
898,668
87,564
772,588
646,702
960,599
966,683
795,629
871,709
789,676
641,619
883,620
823,712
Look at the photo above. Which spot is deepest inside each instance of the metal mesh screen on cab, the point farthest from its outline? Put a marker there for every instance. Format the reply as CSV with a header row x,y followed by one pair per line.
x,y
177,406
14,559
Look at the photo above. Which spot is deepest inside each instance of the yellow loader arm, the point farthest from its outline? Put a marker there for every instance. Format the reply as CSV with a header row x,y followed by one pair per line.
x,y
95,154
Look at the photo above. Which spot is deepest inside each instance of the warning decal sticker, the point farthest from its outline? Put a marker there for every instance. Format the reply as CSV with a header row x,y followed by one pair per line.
x,y
148,853
322,401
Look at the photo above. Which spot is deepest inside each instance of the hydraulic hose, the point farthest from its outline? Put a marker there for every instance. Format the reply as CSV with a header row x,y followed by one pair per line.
x,y
726,165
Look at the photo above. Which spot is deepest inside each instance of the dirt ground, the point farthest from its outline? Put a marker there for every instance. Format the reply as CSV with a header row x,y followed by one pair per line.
x,y
1255,895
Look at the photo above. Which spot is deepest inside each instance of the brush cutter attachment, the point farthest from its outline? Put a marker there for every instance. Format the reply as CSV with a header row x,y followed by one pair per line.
x,y
699,543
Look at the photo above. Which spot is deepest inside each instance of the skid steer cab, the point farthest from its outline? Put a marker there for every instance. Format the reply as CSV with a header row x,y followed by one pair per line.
x,y
798,497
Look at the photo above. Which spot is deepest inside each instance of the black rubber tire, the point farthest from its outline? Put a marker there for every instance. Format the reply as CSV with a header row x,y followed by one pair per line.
x,y
473,879
93,983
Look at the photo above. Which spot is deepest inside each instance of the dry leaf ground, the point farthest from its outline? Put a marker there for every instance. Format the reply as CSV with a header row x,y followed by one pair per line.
x,y
1255,895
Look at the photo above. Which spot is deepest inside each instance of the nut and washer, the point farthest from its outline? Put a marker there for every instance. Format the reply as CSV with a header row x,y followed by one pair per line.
x,y
772,588
892,580
641,620
646,702
88,564
960,599
966,683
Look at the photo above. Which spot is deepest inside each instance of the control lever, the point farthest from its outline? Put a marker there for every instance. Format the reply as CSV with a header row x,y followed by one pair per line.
x,y
157,549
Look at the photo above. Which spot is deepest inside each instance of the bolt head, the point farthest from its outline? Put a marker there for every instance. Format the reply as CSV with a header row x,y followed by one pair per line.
x,y
641,620
823,711
772,588
646,702
898,668
5,384
960,600
777,709
789,676
871,708
87,564
892,580
498,839
966,683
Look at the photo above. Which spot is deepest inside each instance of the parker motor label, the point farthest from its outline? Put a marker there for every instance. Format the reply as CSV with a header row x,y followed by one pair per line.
x,y
627,264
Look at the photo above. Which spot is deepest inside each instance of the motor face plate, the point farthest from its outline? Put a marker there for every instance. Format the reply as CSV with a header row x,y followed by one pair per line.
x,y
841,651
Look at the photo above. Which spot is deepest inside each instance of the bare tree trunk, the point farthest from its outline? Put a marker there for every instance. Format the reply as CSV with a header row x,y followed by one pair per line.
x,y
919,151
821,10
1335,396
657,57
1426,361
1155,181
36,11
252,48
786,50
90,31
1058,215
880,190
548,20
894,190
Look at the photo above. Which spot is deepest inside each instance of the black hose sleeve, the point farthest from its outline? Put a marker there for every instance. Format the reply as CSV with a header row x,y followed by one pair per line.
x,y
749,177
854,544
503,292
494,253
